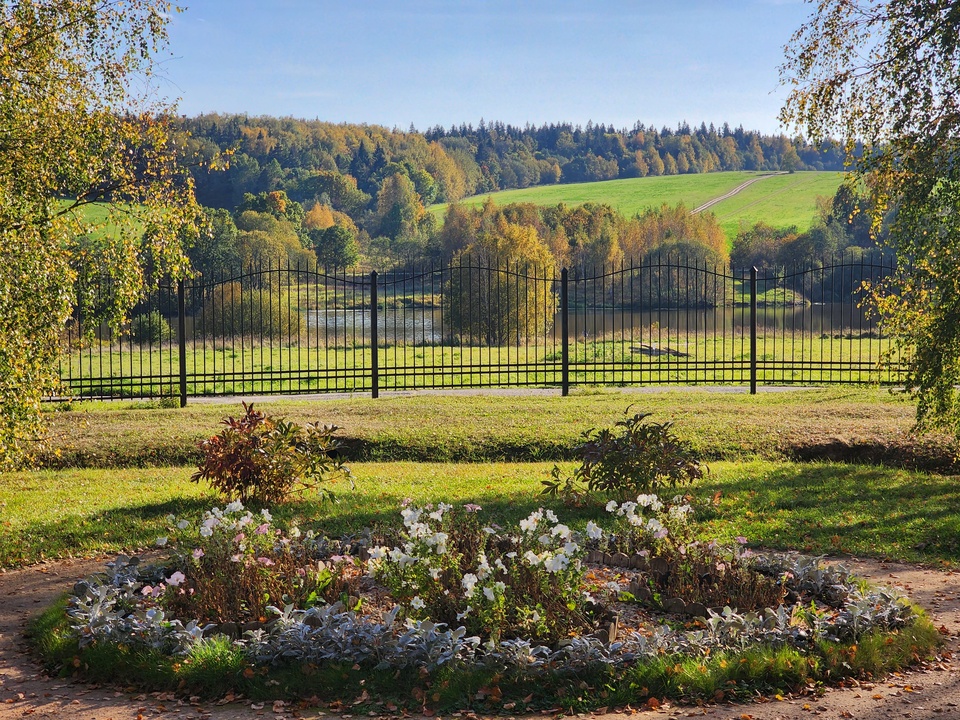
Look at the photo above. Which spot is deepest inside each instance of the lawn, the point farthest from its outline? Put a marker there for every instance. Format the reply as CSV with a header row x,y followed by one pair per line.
x,y
115,484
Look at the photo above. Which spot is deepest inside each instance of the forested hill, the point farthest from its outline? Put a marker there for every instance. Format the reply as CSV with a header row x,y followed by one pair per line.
x,y
347,166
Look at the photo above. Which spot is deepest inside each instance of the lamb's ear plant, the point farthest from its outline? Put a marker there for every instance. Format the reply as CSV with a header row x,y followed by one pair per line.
x,y
263,460
635,456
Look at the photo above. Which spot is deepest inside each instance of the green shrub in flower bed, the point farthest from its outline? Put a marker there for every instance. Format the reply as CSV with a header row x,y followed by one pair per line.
x,y
449,610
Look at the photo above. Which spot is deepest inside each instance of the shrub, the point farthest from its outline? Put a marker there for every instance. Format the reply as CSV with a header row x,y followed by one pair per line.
x,y
263,459
150,328
640,457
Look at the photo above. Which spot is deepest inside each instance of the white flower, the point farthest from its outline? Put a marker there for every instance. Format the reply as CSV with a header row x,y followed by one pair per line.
x,y
462,615
570,548
417,603
530,523
550,515
654,525
483,567
234,507
295,532
499,587
206,531
531,557
183,524
561,530
162,541
650,501
488,593
594,531
544,539
612,506
635,520
556,563
175,579
435,573
378,553
469,581
171,519
680,512
266,515
489,531
410,515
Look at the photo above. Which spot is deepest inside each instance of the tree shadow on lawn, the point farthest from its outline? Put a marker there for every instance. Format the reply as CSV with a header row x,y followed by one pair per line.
x,y
128,529
831,508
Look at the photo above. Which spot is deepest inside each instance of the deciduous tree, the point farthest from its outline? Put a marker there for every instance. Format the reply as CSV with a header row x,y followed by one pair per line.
x,y
887,75
73,131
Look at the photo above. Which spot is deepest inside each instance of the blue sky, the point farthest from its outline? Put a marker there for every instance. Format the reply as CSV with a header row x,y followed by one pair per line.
x,y
430,62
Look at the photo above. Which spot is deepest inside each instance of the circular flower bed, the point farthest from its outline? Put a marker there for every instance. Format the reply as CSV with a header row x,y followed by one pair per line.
x,y
460,607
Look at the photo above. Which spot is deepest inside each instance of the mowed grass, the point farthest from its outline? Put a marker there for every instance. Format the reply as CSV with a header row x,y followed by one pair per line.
x,y
820,508
482,426
778,200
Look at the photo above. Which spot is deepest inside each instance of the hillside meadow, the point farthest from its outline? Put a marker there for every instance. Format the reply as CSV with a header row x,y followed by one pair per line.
x,y
780,200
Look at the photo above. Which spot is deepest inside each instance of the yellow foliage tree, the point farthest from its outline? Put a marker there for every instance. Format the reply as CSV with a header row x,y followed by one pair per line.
x,y
73,132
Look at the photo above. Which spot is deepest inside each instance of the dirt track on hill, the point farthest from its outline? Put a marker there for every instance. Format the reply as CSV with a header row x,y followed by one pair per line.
x,y
923,693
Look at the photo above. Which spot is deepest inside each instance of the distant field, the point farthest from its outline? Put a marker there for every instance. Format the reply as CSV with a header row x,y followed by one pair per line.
x,y
779,200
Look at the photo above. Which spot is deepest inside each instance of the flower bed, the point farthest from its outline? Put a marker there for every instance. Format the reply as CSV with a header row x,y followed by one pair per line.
x,y
446,595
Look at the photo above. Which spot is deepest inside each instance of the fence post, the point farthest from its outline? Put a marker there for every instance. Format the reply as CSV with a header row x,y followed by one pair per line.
x,y
375,360
565,332
753,330
182,339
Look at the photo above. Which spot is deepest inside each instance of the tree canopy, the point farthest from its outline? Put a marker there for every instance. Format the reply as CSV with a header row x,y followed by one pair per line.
x,y
887,75
79,124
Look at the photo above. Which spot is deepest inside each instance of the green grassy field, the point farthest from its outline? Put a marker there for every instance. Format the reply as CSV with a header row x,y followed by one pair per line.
x,y
779,200
613,359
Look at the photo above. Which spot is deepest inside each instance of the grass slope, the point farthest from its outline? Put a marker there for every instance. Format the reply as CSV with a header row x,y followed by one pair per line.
x,y
779,201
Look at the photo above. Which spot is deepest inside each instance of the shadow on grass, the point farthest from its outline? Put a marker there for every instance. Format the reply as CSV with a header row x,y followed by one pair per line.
x,y
826,507
814,508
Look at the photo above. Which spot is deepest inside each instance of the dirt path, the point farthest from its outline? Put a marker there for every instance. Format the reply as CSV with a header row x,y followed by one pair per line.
x,y
738,188
924,693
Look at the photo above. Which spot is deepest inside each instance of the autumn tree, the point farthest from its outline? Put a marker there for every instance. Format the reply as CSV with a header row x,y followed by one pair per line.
x,y
887,75
500,290
76,129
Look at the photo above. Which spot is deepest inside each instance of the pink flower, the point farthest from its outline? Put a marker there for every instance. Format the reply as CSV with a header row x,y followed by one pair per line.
x,y
472,507
240,537
262,530
741,539
235,558
265,561
198,553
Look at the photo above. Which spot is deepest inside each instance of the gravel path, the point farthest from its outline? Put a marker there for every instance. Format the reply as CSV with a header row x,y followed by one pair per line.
x,y
923,693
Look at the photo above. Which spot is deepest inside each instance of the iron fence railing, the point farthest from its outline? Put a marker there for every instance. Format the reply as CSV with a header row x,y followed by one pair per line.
x,y
477,323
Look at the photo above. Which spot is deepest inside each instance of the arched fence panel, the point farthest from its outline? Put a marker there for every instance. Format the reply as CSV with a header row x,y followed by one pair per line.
x,y
480,323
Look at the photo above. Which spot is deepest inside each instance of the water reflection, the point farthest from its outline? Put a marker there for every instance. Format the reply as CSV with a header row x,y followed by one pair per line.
x,y
425,326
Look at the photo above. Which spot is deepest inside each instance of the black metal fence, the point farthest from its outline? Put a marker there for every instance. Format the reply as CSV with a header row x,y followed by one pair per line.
x,y
292,330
